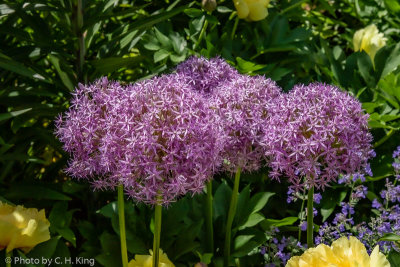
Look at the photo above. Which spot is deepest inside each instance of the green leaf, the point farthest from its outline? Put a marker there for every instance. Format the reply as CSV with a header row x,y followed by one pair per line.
x,y
390,237
8,115
392,6
253,220
34,192
63,71
258,201
394,258
160,55
108,65
241,240
268,223
19,68
45,250
331,199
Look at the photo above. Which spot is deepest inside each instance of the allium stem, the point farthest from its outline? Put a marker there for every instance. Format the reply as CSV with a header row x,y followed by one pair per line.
x,y
310,215
203,30
209,218
122,232
234,27
9,258
300,215
157,234
231,216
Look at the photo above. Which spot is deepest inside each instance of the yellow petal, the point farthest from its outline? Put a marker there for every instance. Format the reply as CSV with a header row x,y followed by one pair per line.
x,y
257,11
22,228
242,8
378,259
147,260
357,38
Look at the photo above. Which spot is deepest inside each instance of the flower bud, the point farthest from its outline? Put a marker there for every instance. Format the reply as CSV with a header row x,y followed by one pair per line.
x,y
209,5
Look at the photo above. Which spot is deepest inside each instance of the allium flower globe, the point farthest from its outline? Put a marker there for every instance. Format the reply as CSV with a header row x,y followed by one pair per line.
x,y
316,132
156,137
205,75
82,128
243,106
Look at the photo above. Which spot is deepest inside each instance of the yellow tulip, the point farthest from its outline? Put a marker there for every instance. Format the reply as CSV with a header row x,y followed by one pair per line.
x,y
147,260
369,40
22,228
344,252
253,10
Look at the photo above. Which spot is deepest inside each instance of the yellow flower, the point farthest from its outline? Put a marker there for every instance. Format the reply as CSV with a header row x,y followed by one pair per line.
x,y
344,252
22,228
369,40
253,10
147,260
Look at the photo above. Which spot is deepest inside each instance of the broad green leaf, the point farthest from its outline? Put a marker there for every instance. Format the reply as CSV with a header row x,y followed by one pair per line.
x,y
19,68
253,220
390,237
241,240
394,258
8,115
34,192
62,68
258,201
331,199
160,55
268,223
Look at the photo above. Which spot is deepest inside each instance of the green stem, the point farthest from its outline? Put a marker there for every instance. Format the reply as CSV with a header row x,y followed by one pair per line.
x,y
203,30
385,138
310,214
234,27
9,258
231,216
157,234
209,217
122,233
301,217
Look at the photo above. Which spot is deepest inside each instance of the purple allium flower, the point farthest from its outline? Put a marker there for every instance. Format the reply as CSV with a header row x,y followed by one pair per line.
x,y
316,132
243,106
82,128
156,137
204,75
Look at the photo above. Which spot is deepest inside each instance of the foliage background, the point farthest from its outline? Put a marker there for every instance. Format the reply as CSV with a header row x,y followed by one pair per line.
x,y
48,46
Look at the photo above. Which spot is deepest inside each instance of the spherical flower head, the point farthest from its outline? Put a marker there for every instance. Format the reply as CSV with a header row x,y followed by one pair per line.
x,y
22,228
252,10
204,75
243,106
316,132
82,127
369,40
165,139
147,260
343,252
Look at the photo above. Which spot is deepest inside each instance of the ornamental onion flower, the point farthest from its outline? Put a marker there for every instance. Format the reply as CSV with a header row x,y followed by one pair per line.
x,y
343,252
147,260
243,106
204,75
316,132
369,40
22,228
156,137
